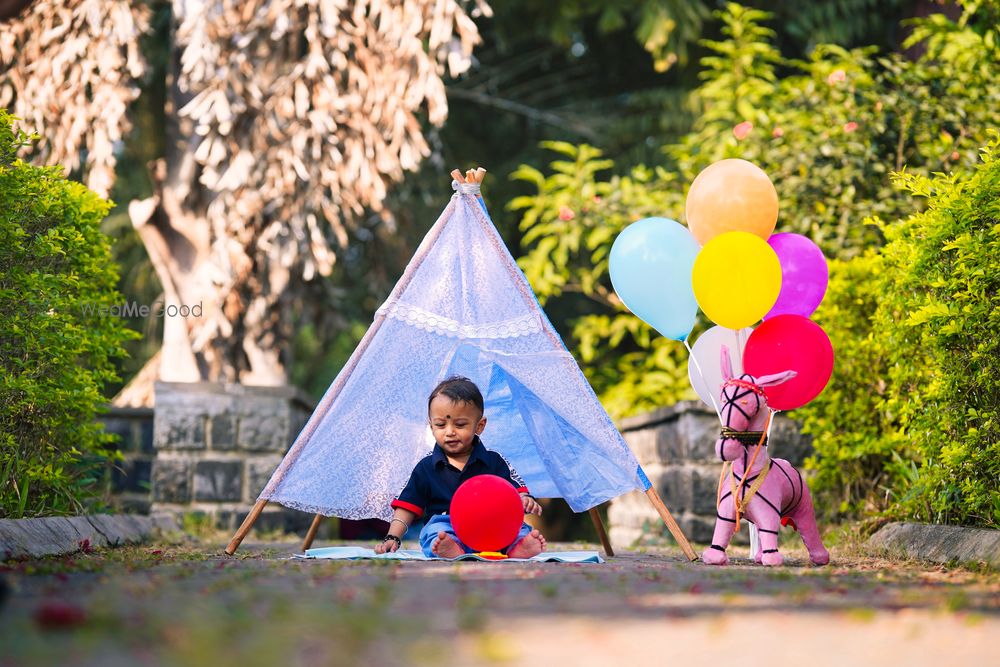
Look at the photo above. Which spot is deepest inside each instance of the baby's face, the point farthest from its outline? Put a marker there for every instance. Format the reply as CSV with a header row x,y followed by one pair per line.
x,y
455,424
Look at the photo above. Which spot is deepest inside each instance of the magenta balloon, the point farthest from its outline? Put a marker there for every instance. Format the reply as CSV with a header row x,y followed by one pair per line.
x,y
804,275
790,342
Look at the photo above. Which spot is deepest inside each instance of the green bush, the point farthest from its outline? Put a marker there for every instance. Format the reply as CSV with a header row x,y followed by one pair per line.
x,y
857,455
56,347
909,423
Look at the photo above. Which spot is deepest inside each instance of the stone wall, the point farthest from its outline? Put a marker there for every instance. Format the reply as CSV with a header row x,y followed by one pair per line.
x,y
676,448
216,446
130,478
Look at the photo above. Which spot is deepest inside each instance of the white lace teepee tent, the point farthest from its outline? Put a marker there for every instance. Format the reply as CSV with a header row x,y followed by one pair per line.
x,y
462,307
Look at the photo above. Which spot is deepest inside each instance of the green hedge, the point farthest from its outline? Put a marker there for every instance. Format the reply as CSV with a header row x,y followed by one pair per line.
x,y
909,424
56,348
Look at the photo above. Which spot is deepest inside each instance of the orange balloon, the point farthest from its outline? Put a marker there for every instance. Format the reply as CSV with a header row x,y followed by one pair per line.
x,y
731,196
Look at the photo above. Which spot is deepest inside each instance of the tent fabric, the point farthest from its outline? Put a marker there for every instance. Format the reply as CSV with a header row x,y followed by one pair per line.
x,y
462,307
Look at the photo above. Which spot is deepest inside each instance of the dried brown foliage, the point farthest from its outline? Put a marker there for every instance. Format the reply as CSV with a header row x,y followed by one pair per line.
x,y
287,119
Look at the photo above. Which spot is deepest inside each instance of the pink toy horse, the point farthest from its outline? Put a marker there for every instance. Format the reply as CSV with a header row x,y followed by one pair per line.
x,y
780,498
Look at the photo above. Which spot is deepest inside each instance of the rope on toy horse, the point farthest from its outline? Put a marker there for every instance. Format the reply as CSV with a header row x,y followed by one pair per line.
x,y
744,437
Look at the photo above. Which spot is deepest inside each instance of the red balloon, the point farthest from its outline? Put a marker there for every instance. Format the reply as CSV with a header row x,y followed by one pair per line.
x,y
790,342
486,513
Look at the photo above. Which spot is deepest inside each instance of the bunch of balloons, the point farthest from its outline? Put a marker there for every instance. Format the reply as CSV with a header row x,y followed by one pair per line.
x,y
728,262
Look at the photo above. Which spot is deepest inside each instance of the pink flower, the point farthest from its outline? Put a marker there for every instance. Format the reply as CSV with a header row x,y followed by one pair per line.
x,y
742,130
836,76
566,213
955,155
777,132
850,127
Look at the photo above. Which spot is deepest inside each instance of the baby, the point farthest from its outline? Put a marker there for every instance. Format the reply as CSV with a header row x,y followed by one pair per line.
x,y
455,410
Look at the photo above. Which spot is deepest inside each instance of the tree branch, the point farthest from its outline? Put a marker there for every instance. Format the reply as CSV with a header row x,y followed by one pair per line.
x,y
539,115
600,294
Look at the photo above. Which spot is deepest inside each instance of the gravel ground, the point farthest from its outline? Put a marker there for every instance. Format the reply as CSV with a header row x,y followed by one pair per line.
x,y
187,604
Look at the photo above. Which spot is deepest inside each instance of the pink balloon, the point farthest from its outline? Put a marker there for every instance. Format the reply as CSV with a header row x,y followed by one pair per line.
x,y
790,342
804,275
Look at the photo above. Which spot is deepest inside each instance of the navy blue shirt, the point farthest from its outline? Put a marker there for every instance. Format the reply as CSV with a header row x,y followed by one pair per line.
x,y
434,480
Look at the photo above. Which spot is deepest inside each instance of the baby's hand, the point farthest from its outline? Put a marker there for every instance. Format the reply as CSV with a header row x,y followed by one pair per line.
x,y
531,505
387,546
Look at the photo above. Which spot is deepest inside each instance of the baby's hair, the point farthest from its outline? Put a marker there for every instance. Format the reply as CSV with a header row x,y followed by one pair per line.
x,y
460,390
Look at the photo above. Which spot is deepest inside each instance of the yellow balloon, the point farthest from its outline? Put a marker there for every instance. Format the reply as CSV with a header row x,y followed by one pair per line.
x,y
731,195
736,279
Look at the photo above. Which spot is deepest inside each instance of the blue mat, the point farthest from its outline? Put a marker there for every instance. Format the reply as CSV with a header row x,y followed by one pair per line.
x,y
359,553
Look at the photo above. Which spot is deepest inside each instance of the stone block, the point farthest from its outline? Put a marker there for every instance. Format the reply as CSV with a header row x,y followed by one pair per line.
x,y
698,529
171,481
34,538
202,397
669,448
265,431
178,429
259,472
122,428
676,489
284,520
278,519
86,531
624,538
27,538
118,528
164,522
940,544
696,436
223,431
704,489
132,504
218,481
146,436
788,442
643,444
132,476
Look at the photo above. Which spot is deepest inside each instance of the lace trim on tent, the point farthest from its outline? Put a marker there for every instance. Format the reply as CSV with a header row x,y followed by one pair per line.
x,y
376,510
428,321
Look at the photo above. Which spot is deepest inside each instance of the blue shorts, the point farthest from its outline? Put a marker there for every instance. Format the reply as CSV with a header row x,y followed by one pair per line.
x,y
442,523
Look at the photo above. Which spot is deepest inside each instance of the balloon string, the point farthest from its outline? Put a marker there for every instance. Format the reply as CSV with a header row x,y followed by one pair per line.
x,y
740,344
697,366
770,421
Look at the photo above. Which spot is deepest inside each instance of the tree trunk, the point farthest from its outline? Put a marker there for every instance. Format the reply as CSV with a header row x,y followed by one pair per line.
x,y
219,319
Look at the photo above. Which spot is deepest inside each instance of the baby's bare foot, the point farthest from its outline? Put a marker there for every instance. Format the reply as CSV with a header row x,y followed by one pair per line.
x,y
529,547
445,547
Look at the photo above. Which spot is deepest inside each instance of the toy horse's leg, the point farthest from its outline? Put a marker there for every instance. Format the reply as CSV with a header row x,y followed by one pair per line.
x,y
804,517
767,527
716,554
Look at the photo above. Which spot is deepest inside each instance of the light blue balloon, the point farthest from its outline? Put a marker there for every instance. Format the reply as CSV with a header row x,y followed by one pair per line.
x,y
650,265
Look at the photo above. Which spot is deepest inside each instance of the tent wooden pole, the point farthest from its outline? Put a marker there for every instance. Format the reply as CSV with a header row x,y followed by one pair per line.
x,y
311,535
672,526
248,523
601,532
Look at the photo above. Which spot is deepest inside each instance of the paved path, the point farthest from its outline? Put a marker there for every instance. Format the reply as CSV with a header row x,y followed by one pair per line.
x,y
189,605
